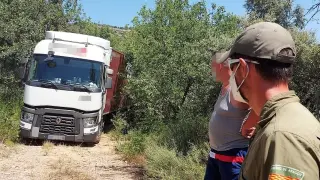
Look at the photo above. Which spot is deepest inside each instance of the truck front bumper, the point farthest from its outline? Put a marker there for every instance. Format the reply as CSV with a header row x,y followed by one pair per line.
x,y
24,133
36,130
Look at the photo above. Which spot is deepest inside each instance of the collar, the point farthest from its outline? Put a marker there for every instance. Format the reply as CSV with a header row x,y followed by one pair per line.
x,y
274,104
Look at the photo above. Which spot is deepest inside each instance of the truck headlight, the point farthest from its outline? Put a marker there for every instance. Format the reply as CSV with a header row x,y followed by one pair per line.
x,y
27,117
90,122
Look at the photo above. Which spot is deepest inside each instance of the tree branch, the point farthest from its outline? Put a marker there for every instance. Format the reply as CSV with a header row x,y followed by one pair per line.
x,y
315,9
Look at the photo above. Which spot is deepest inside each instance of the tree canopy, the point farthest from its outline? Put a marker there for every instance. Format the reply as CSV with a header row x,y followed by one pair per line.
x,y
169,48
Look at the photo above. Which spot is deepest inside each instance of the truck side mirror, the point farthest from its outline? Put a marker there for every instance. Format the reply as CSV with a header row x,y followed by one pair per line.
x,y
22,69
108,83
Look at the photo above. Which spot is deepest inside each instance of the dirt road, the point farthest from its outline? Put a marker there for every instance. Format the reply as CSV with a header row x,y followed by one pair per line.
x,y
50,161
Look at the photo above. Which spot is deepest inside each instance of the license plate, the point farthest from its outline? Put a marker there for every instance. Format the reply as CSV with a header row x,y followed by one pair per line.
x,y
56,137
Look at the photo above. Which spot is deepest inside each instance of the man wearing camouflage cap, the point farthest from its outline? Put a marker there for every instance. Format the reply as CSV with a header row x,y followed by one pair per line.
x,y
286,144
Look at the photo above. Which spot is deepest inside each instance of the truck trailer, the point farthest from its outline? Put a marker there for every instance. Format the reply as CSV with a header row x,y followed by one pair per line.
x,y
70,84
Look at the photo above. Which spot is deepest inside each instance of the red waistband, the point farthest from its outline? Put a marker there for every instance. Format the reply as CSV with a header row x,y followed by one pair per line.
x,y
224,158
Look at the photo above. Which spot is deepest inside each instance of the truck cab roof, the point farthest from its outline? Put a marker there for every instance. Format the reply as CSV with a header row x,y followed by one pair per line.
x,y
76,46
78,38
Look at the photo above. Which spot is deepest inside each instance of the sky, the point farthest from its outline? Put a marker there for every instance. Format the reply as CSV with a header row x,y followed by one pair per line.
x,y
121,12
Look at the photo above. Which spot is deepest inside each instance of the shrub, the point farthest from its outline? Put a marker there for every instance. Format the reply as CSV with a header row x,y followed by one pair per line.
x,y
10,109
167,163
135,144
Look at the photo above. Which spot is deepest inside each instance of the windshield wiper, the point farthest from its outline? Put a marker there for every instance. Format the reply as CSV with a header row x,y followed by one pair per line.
x,y
48,82
83,86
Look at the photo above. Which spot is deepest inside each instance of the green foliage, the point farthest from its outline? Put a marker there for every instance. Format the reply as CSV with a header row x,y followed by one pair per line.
x,y
120,124
171,91
166,163
10,106
23,23
305,80
279,11
163,161
135,144
171,84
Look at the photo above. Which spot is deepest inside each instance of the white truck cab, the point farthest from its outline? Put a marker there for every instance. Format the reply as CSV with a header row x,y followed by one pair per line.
x,y
65,88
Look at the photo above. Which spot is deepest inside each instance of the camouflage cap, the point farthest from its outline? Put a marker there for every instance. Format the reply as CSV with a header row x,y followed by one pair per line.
x,y
263,40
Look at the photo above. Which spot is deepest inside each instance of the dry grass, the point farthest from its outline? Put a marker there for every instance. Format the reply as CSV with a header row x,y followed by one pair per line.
x,y
139,160
116,136
65,170
7,148
4,151
47,147
9,143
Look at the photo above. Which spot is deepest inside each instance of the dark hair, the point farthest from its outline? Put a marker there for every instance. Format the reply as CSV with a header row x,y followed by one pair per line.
x,y
272,70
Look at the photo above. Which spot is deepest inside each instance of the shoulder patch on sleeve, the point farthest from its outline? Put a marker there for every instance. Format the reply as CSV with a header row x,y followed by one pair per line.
x,y
280,172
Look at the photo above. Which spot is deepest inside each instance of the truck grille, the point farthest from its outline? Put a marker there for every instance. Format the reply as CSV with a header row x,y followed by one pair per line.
x,y
53,124
57,120
53,129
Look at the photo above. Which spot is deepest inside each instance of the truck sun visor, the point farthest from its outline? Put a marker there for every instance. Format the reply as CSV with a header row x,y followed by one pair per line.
x,y
68,49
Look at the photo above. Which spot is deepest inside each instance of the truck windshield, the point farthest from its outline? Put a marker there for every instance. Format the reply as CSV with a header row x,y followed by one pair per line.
x,y
65,73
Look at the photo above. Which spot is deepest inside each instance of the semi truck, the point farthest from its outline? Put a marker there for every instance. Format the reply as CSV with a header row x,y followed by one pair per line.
x,y
71,83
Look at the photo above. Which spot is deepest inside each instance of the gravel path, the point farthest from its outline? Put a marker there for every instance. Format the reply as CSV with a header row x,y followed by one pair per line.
x,y
50,161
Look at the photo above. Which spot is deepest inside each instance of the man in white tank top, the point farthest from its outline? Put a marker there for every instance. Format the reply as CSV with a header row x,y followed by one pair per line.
x,y
230,127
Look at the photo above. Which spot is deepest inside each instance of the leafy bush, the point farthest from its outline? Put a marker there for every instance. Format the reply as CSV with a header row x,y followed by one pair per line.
x,y
171,88
166,163
120,125
132,143
134,146
10,109
306,79
22,25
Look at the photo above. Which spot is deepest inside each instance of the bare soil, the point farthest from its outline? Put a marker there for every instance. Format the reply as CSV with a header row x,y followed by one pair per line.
x,y
54,161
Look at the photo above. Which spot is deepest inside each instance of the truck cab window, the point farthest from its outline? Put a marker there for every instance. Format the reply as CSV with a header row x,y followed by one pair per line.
x,y
66,71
